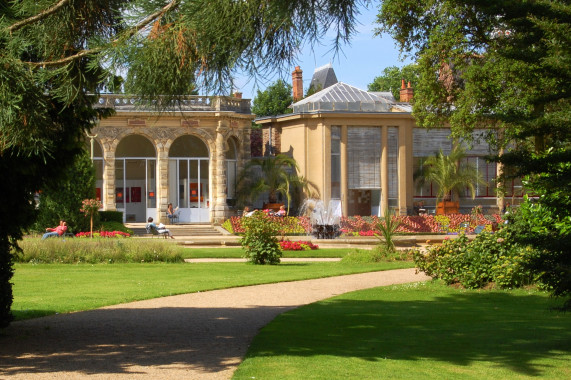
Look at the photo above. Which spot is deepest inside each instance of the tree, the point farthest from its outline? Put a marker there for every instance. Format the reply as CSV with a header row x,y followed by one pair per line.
x,y
57,55
504,64
273,174
61,199
273,101
451,173
392,77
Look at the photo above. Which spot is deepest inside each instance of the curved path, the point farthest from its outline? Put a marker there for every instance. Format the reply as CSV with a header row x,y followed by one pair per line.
x,y
191,336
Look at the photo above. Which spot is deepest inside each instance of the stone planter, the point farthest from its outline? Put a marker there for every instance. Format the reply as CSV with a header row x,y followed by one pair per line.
x,y
447,207
275,207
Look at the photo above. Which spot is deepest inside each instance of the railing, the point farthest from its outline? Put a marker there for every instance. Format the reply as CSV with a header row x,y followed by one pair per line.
x,y
121,102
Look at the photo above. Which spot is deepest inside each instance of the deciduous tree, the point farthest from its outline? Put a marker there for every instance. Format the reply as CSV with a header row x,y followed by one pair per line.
x,y
505,64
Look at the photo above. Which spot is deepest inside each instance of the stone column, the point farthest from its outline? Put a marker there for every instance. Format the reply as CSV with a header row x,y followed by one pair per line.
x,y
384,169
344,172
219,208
109,180
402,169
162,182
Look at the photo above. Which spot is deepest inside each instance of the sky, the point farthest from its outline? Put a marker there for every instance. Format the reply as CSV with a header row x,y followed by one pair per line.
x,y
356,64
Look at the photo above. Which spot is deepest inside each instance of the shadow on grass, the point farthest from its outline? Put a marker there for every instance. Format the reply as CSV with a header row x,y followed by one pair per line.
x,y
507,330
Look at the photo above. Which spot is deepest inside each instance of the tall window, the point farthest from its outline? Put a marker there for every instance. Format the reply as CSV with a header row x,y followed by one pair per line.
x,y
364,157
335,162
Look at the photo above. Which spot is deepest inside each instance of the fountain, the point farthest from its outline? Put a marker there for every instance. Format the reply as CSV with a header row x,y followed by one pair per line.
x,y
324,220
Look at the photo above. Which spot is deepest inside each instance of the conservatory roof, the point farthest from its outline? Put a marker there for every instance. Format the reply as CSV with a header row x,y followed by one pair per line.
x,y
343,97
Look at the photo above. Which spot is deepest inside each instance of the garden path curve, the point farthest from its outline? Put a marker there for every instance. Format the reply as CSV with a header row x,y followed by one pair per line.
x,y
192,336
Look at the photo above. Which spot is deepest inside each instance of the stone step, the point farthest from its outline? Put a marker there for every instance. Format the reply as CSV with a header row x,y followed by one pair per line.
x,y
183,230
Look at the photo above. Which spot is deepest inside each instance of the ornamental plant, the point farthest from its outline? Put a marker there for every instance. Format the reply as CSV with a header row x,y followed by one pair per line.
x,y
260,242
89,208
297,245
388,228
490,258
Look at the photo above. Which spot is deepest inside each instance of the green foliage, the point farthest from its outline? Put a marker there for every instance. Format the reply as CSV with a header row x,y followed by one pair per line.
x,y
115,226
62,200
111,216
548,230
450,173
273,101
227,225
56,57
272,174
260,241
392,77
97,250
377,255
388,228
489,258
504,65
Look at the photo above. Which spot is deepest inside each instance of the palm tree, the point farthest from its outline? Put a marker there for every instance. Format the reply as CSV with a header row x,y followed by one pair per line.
x,y
274,175
451,173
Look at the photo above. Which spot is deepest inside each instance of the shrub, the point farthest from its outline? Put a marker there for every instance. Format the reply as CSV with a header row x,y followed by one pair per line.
x,y
227,225
111,216
259,240
97,250
489,258
115,226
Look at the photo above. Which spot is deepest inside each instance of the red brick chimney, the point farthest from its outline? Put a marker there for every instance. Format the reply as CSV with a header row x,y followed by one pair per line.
x,y
297,84
406,93
238,95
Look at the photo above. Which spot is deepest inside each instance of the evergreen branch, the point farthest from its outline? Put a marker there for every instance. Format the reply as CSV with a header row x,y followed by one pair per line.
x,y
131,32
38,17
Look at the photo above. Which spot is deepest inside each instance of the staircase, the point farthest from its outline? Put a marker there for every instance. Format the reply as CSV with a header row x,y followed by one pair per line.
x,y
180,230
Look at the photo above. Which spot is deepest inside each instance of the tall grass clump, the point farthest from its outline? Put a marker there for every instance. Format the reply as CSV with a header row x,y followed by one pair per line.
x,y
97,250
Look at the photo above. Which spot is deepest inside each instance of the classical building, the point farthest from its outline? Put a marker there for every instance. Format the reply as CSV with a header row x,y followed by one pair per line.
x,y
360,149
188,156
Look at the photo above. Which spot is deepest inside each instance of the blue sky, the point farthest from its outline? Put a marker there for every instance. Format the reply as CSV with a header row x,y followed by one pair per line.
x,y
356,64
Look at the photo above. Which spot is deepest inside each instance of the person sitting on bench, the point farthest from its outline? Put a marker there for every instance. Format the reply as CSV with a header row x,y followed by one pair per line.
x,y
161,229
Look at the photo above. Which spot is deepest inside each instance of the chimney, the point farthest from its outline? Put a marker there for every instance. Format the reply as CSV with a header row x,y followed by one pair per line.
x,y
406,93
238,95
297,84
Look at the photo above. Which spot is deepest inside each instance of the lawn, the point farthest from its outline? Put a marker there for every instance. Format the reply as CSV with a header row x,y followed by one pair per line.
x,y
43,289
416,331
237,252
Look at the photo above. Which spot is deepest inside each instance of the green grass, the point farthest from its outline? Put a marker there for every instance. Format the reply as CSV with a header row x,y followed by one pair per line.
x,y
416,331
43,289
238,252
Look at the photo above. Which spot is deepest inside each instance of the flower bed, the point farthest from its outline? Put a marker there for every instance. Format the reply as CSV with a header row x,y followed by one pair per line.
x,y
365,225
105,234
297,245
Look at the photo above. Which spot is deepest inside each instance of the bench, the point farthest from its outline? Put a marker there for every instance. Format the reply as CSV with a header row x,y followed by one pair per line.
x,y
154,232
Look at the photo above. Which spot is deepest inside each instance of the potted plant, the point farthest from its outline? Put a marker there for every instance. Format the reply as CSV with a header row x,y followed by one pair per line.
x,y
274,175
451,174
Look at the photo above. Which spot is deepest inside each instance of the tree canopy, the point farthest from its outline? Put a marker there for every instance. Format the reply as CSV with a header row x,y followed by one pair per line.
x,y
506,65
274,100
391,79
57,55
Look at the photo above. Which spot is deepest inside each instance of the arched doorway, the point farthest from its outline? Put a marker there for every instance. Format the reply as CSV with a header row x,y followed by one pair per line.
x,y
135,178
189,179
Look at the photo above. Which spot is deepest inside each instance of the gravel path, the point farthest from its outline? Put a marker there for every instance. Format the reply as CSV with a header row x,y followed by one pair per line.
x,y
192,336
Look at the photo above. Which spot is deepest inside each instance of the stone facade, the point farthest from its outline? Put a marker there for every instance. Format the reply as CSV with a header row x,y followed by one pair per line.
x,y
213,121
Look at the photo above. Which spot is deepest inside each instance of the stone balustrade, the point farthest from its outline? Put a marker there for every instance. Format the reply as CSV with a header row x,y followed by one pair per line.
x,y
122,102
